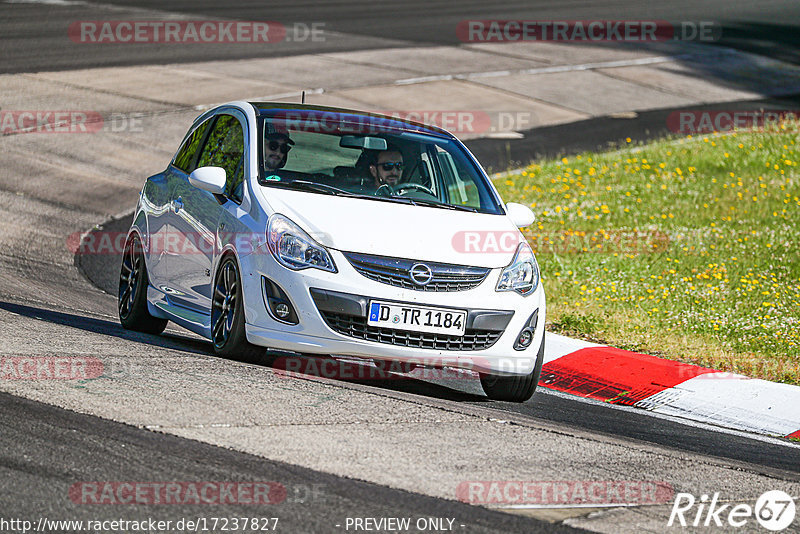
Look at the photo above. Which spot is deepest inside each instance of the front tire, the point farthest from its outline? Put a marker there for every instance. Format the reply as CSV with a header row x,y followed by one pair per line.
x,y
513,388
132,296
227,314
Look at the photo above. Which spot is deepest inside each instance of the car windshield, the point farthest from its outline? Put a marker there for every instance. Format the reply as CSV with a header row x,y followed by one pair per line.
x,y
364,159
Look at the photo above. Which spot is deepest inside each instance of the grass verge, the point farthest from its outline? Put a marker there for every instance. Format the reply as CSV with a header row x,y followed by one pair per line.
x,y
686,248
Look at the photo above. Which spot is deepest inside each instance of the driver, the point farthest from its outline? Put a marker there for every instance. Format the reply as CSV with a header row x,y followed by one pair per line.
x,y
388,166
276,148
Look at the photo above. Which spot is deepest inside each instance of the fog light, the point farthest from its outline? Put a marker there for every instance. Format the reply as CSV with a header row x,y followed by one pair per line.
x,y
282,310
525,338
278,303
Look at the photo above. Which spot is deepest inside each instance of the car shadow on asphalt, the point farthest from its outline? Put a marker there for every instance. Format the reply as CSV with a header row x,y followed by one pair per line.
x,y
420,381
109,328
286,364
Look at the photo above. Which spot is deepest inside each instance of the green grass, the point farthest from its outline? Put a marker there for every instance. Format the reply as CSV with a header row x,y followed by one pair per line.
x,y
684,248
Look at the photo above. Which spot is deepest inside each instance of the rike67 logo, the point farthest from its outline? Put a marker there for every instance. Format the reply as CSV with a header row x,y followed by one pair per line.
x,y
774,510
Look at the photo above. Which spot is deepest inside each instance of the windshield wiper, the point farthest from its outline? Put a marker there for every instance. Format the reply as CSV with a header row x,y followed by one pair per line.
x,y
313,186
434,204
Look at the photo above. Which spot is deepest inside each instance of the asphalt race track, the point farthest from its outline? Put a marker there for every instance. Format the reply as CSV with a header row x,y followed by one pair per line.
x,y
67,445
167,409
546,406
32,36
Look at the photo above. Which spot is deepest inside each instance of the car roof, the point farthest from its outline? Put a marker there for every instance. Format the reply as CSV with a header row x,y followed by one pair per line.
x,y
349,117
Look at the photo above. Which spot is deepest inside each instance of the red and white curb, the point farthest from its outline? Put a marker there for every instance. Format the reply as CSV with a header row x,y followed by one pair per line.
x,y
672,388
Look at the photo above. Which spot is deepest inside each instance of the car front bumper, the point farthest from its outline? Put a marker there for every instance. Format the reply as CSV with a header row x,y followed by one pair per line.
x,y
332,313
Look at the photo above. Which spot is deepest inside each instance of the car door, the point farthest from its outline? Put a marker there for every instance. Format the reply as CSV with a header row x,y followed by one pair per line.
x,y
158,201
197,214
155,202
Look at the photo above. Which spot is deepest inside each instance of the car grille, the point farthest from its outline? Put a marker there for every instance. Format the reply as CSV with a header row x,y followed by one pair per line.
x,y
357,327
395,272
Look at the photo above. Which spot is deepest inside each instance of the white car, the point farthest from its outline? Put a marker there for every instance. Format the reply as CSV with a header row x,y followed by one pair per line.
x,y
329,231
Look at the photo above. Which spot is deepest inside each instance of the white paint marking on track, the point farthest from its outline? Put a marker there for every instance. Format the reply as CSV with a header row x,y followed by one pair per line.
x,y
725,399
49,2
673,418
566,506
546,70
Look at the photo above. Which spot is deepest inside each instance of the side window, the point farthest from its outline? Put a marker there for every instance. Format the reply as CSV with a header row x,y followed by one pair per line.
x,y
185,158
225,148
426,173
461,188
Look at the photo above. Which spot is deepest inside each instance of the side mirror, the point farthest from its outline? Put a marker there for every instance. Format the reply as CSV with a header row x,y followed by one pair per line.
x,y
211,179
520,214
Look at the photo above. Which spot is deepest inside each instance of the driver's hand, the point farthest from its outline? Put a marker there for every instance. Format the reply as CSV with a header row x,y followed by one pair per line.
x,y
385,190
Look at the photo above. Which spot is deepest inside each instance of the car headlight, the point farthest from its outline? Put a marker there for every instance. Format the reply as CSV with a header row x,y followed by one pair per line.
x,y
294,248
522,274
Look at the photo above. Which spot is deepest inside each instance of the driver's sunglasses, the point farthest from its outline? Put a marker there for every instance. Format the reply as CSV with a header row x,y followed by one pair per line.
x,y
388,166
274,145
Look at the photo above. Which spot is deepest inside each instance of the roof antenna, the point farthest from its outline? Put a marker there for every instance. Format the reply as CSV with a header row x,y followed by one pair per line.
x,y
303,98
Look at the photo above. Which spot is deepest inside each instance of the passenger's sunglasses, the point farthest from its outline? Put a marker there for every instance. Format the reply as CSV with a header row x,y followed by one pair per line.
x,y
274,145
388,166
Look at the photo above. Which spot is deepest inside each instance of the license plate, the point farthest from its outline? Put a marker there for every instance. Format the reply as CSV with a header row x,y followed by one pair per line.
x,y
417,318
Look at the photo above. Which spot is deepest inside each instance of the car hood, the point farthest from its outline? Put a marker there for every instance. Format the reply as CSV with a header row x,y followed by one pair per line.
x,y
399,230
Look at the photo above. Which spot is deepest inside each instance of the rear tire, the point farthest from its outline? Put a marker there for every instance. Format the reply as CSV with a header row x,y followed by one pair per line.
x,y
513,388
227,315
132,296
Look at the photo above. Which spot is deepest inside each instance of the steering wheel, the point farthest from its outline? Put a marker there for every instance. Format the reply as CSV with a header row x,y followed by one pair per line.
x,y
398,189
412,186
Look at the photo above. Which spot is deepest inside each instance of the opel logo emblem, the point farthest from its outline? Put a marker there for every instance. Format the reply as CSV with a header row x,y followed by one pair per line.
x,y
421,274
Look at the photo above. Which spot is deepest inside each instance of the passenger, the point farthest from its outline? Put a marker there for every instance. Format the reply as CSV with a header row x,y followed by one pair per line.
x,y
387,167
276,148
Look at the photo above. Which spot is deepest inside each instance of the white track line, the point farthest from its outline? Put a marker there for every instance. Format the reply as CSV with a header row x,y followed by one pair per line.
x,y
674,418
546,70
